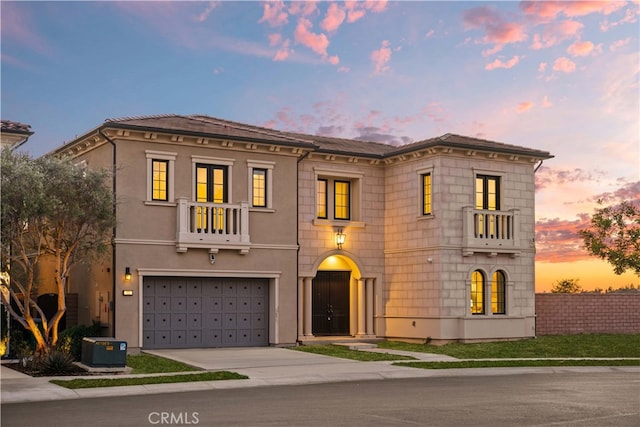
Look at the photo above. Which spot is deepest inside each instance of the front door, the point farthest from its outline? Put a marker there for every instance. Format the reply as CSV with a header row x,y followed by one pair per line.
x,y
331,303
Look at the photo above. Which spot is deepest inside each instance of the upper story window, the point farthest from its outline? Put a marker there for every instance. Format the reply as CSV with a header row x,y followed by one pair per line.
x,y
426,194
477,292
212,179
338,196
160,176
211,183
260,183
342,199
322,198
488,192
498,293
160,180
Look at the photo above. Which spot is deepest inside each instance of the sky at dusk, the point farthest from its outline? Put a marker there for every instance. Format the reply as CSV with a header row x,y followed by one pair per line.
x,y
556,76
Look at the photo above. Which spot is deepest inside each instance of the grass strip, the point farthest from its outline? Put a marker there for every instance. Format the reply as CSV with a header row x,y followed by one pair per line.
x,y
586,345
145,363
164,379
346,353
518,363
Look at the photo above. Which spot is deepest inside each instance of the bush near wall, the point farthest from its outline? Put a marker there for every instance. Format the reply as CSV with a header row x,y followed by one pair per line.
x,y
587,313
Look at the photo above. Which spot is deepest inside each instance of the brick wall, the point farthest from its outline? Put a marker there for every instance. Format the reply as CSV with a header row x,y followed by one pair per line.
x,y
587,313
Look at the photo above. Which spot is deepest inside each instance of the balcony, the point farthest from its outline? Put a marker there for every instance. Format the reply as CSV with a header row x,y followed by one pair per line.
x,y
212,226
491,232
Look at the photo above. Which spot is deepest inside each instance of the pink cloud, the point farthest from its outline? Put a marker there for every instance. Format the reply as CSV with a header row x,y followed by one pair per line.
x,y
556,32
302,8
564,64
357,9
381,57
497,29
559,240
542,67
316,42
17,25
334,18
548,10
619,43
500,64
579,48
283,52
436,112
630,17
375,6
275,39
274,13
344,69
524,107
546,103
205,13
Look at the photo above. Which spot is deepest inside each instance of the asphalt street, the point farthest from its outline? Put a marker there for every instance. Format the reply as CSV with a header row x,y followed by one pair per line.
x,y
542,399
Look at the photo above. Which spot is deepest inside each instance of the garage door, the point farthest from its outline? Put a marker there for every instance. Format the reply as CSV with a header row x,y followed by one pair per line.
x,y
205,312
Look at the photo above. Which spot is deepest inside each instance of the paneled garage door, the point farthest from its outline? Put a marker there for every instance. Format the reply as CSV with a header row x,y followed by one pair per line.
x,y
181,312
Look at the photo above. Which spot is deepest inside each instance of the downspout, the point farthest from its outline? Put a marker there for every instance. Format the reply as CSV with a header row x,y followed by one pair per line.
x,y
538,167
300,159
113,233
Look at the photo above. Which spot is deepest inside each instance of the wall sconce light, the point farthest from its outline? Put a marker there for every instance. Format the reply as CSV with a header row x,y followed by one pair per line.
x,y
127,292
340,238
127,274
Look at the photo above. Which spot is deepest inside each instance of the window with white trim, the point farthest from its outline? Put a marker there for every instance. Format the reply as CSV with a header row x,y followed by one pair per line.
x,y
160,176
338,195
260,183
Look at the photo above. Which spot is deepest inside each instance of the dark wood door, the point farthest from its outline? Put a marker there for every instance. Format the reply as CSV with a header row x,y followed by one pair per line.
x,y
331,303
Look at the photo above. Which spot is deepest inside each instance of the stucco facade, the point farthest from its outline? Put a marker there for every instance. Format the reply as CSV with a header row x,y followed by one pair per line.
x,y
400,273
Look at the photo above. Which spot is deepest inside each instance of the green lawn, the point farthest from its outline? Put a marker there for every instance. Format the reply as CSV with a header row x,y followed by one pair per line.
x,y
588,345
519,363
164,379
144,363
345,353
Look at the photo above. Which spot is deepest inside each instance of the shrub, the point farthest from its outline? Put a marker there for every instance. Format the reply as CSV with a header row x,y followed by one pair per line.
x,y
70,340
56,363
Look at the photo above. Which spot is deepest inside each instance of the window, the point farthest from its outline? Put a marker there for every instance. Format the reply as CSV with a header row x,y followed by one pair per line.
x,y
338,195
160,176
211,187
342,200
321,204
498,285
488,192
160,180
426,194
260,183
211,183
487,198
477,292
259,188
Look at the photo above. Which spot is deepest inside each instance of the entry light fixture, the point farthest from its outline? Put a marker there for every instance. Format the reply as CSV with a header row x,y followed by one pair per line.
x,y
340,238
127,274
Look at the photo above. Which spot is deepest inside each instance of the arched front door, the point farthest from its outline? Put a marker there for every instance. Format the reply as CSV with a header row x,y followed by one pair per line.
x,y
331,303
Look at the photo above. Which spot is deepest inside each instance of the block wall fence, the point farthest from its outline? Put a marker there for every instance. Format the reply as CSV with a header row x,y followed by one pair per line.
x,y
588,313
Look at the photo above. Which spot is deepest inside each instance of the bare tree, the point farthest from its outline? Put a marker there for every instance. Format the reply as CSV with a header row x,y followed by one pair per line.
x,y
50,208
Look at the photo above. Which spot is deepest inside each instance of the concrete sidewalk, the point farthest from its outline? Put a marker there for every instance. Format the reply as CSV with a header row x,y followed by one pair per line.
x,y
265,366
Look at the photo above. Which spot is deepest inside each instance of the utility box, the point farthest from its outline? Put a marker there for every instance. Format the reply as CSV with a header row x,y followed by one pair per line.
x,y
104,352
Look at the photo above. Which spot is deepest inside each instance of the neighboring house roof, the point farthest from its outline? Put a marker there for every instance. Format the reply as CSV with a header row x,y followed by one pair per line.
x,y
211,127
15,127
14,134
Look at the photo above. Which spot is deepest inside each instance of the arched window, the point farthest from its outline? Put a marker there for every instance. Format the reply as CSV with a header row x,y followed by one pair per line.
x,y
498,293
477,292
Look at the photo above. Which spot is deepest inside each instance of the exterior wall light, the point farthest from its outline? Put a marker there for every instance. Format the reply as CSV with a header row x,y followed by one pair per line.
x,y
127,274
340,238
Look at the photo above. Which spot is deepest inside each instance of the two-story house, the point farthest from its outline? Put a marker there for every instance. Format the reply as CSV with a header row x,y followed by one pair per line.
x,y
235,235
